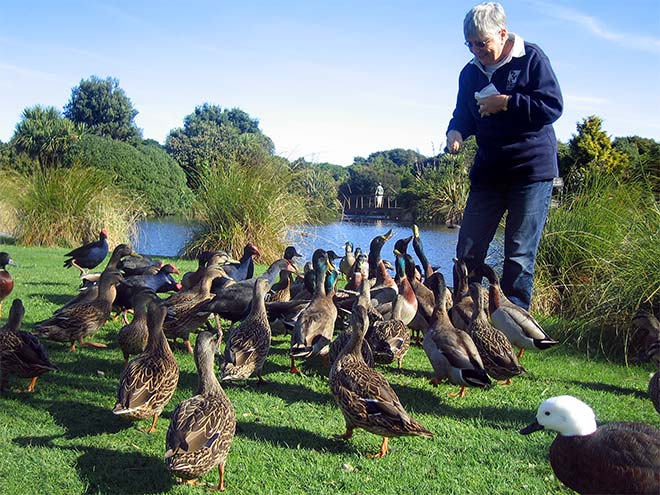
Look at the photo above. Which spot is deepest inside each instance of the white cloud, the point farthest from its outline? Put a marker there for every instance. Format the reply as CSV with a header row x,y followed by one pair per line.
x,y
598,29
30,73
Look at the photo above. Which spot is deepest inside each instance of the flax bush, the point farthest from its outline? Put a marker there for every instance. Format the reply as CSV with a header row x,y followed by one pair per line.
x,y
237,204
599,260
67,206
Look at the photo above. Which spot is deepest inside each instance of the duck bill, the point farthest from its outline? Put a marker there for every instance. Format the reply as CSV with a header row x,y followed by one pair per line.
x,y
531,428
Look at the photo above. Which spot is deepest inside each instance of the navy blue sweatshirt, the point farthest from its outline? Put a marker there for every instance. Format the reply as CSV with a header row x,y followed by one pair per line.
x,y
517,145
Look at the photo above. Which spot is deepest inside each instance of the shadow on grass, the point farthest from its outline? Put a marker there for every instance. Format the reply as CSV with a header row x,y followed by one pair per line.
x,y
612,389
57,299
112,472
292,438
108,471
80,419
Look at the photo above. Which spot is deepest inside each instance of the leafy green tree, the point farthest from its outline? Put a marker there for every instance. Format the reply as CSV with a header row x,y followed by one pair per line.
x,y
104,108
394,169
145,171
211,136
592,152
44,135
644,157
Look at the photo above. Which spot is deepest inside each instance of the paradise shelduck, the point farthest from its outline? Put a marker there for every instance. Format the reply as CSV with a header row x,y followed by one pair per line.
x,y
89,255
612,458
6,280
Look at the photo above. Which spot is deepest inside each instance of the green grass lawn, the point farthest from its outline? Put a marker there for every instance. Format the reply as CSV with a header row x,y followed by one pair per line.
x,y
64,439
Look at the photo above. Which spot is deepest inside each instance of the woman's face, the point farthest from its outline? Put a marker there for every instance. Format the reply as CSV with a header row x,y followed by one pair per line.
x,y
488,49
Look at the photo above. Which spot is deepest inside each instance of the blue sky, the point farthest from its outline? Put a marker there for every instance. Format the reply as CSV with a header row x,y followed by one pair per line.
x,y
327,81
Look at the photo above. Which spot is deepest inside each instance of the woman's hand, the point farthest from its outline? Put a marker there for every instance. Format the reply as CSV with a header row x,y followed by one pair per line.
x,y
493,104
454,141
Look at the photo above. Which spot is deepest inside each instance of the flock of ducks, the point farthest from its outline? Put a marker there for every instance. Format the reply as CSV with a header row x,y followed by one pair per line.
x,y
468,334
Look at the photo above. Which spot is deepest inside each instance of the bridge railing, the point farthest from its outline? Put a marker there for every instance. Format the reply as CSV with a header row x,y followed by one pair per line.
x,y
367,202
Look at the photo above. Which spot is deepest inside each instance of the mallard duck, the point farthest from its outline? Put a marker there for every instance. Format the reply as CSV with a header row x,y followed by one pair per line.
x,y
390,339
347,262
88,255
654,390
244,269
6,280
204,259
183,308
76,322
452,353
21,353
375,249
516,323
649,325
281,290
249,342
202,428
364,396
315,326
149,381
132,337
462,304
233,301
421,254
612,458
494,348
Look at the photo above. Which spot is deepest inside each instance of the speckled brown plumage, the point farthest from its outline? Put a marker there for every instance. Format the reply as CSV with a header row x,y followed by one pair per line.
x,y
149,381
21,353
364,396
132,337
497,355
249,342
76,322
202,428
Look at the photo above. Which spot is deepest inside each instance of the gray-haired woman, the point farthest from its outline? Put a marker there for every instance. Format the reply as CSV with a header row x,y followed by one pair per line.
x,y
508,97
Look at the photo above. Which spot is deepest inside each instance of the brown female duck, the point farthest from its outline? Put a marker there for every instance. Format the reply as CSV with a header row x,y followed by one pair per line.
x,y
451,351
183,315
621,458
364,396
74,323
202,428
132,337
21,353
494,348
249,342
149,381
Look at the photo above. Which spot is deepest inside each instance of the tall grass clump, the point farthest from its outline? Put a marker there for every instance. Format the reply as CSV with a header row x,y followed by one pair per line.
x,y
237,204
599,260
441,193
67,206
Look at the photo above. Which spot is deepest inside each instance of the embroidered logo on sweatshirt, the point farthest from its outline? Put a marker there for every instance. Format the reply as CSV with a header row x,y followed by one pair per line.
x,y
512,79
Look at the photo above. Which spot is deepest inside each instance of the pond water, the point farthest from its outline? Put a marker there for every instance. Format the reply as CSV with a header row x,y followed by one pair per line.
x,y
166,237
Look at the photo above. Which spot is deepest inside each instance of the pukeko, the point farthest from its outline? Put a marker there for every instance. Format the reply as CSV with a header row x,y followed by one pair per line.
x,y
89,255
6,280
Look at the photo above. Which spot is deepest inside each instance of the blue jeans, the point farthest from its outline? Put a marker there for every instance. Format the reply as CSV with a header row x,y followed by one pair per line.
x,y
526,206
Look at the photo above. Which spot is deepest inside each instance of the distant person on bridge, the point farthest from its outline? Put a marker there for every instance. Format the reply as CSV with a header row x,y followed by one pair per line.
x,y
379,195
508,97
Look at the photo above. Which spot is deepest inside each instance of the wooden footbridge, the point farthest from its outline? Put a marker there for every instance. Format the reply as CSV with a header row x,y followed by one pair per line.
x,y
364,206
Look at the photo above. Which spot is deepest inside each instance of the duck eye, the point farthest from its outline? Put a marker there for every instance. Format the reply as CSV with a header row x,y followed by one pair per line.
x,y
547,413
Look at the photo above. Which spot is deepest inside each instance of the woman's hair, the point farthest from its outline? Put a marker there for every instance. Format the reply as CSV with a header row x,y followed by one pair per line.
x,y
485,19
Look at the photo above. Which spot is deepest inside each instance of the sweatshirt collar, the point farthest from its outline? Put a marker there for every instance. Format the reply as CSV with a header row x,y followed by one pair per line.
x,y
517,51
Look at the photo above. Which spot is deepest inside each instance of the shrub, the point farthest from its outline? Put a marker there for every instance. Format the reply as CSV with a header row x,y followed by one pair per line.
x,y
68,206
238,203
599,260
145,171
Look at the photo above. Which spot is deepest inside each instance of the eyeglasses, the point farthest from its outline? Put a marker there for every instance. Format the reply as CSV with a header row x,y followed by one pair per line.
x,y
477,44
